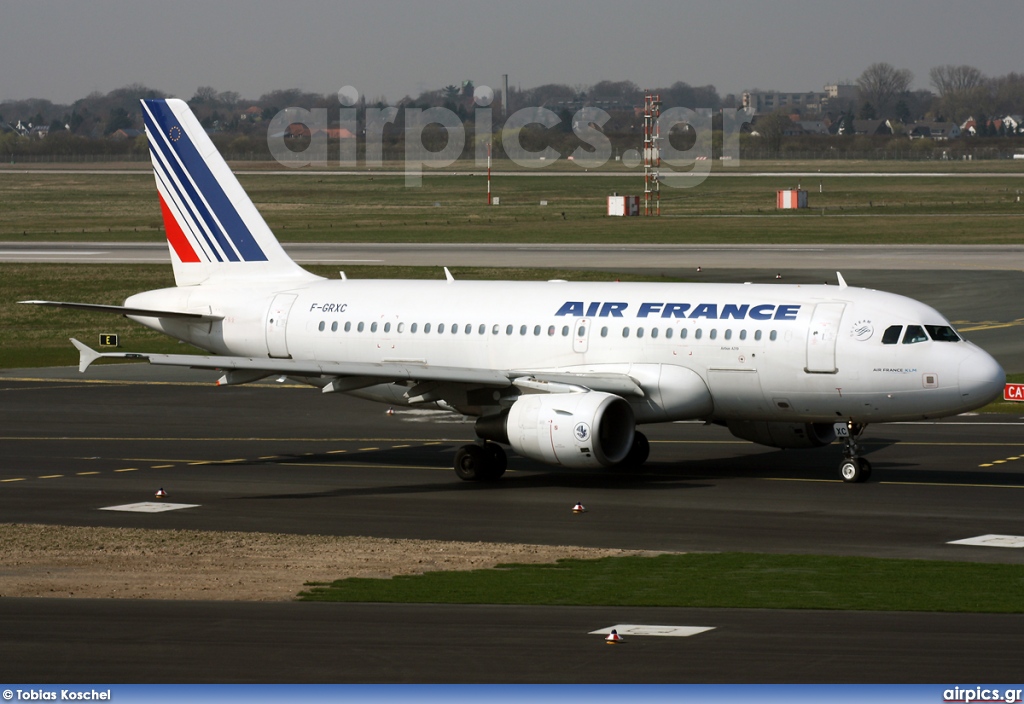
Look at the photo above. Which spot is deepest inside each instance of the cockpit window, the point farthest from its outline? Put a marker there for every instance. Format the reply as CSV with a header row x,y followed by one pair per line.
x,y
915,333
892,335
942,333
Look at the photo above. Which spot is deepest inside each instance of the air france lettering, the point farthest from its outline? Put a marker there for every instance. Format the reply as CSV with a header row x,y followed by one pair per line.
x,y
710,311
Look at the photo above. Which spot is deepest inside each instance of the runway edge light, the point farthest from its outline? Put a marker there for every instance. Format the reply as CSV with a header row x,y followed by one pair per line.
x,y
578,508
160,493
614,638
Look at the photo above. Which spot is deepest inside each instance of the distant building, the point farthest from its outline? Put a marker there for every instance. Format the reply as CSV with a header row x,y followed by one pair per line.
x,y
764,101
934,130
126,133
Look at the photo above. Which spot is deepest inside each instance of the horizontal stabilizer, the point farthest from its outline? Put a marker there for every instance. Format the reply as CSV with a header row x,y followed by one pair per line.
x,y
123,310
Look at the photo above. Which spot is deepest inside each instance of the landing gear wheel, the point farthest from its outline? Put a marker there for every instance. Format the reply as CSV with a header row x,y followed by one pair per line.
x,y
470,461
483,463
855,470
637,455
496,464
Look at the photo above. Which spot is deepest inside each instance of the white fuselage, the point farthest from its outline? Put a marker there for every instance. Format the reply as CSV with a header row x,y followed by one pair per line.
x,y
770,352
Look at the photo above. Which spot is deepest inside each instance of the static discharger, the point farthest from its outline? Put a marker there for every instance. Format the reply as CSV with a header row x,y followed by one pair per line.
x,y
578,508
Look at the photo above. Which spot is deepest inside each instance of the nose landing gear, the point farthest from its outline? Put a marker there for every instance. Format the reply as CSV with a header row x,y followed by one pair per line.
x,y
853,468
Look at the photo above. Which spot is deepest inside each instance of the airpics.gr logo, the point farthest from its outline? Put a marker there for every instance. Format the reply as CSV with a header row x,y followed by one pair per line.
x,y
862,330
582,432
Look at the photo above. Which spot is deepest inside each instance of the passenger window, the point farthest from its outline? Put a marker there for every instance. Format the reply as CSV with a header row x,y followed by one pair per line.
x,y
373,327
698,334
743,334
495,329
522,329
565,331
334,326
683,333
413,328
359,328
654,332
536,330
892,334
915,334
321,326
942,333
551,330
440,328
714,333
426,328
455,328
401,327
639,332
625,332
728,334
387,327
508,329
604,332
581,331
668,334
773,336
757,335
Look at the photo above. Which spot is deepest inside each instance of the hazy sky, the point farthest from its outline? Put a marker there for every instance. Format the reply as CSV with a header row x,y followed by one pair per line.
x,y
62,50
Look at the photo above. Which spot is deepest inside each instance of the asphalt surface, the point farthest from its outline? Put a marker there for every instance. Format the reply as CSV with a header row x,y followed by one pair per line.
x,y
752,257
289,459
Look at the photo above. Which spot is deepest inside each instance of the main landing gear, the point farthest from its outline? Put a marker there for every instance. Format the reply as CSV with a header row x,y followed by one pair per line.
x,y
484,462
853,468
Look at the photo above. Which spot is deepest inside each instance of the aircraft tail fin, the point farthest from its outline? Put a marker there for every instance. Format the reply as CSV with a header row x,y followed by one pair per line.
x,y
214,232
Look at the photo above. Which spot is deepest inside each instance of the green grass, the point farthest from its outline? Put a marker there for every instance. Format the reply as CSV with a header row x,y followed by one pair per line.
x,y
727,580
345,208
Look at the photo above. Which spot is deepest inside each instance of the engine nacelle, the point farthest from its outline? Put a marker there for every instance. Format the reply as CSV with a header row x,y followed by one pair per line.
x,y
586,429
784,435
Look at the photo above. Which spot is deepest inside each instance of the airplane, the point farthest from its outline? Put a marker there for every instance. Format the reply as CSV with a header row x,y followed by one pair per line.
x,y
563,373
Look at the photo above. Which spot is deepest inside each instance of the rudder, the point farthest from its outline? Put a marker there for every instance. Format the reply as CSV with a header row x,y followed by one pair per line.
x,y
213,229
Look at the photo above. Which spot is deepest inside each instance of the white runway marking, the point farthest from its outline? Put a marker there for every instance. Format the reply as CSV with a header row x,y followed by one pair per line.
x,y
149,507
629,629
992,541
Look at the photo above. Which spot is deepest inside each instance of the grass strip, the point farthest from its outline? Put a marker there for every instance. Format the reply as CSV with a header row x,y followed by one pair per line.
x,y
721,580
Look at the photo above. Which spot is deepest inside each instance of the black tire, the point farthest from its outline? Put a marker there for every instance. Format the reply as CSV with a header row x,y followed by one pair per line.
x,y
470,462
855,470
497,463
637,455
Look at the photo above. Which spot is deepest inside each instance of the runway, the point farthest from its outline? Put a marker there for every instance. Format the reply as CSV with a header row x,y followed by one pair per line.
x,y
824,257
287,459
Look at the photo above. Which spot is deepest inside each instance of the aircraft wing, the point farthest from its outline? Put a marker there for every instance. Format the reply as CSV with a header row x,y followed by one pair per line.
x,y
122,310
353,375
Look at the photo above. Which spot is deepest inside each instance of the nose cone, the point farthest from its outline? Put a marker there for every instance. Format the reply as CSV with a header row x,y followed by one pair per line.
x,y
981,379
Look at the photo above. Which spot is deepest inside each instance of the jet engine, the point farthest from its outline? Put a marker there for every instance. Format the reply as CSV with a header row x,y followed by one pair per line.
x,y
784,435
587,429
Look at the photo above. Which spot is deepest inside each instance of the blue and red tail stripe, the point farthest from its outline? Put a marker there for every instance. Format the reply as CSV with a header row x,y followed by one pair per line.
x,y
207,225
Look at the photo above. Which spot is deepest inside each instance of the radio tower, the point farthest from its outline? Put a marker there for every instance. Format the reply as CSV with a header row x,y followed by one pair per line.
x,y
652,155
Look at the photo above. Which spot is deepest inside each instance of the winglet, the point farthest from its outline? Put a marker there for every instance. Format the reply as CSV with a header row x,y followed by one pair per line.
x,y
842,281
87,355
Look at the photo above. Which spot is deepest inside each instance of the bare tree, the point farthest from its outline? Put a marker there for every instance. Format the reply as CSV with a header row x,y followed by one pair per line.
x,y
955,79
882,85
